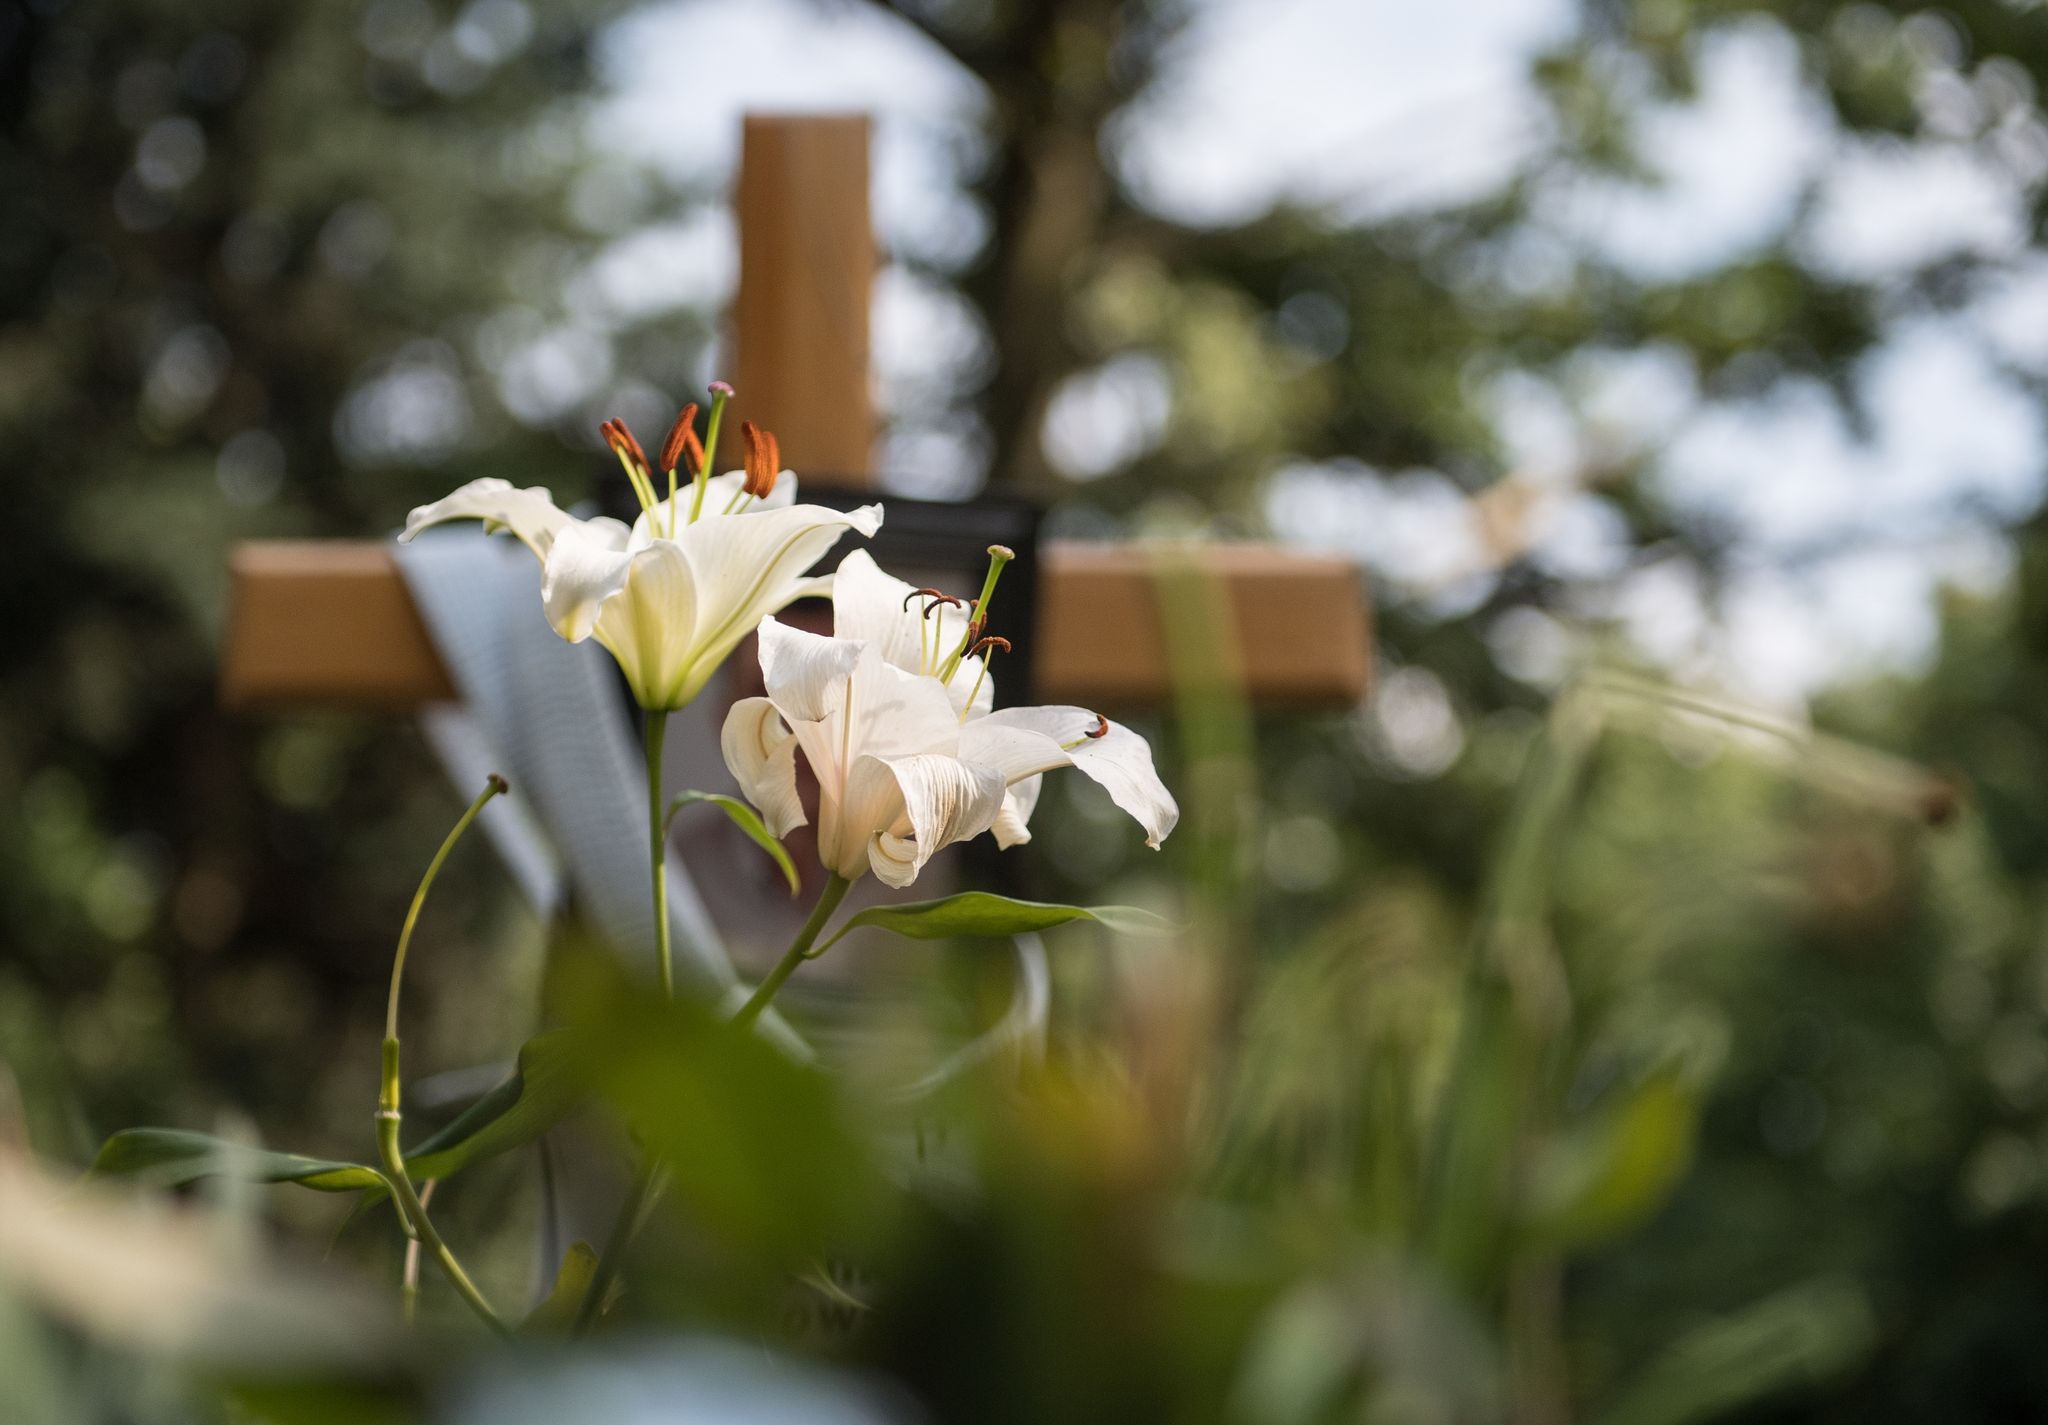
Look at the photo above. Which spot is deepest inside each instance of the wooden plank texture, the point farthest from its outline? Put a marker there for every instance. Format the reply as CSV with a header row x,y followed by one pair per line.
x,y
325,623
318,624
1297,634
807,265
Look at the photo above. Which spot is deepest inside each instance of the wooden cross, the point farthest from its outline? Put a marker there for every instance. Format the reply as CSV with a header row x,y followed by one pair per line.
x,y
330,623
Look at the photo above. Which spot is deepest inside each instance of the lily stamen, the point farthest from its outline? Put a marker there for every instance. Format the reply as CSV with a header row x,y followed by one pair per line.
x,y
763,466
1093,734
764,459
682,441
940,595
632,459
927,649
987,647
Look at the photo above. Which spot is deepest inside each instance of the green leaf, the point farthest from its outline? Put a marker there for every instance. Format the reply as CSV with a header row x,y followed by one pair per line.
x,y
757,1151
1800,1338
544,1087
745,818
979,913
282,1399
1606,1176
557,1314
171,1157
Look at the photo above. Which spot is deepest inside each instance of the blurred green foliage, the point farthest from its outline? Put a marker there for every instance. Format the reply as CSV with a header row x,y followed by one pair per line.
x,y
1346,1187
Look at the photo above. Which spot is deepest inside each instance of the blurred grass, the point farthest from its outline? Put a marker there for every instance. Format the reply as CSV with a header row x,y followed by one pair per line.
x,y
1365,1175
1524,1159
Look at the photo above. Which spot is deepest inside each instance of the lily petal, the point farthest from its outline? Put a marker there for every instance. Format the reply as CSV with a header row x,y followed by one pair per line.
x,y
641,624
1017,752
585,565
822,684
805,673
867,802
881,609
1013,822
936,801
898,714
719,491
1020,742
973,689
530,514
750,566
633,602
760,752
817,586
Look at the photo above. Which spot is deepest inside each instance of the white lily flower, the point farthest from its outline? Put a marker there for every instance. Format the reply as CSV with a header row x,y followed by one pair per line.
x,y
870,604
673,594
897,730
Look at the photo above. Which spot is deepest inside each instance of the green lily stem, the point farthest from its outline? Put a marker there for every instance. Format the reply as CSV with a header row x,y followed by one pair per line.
x,y
411,1209
624,1228
799,949
628,1221
642,1190
409,1280
657,848
418,1225
492,788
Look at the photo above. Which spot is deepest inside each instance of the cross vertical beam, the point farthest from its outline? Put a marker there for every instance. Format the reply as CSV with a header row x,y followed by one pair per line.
x,y
807,264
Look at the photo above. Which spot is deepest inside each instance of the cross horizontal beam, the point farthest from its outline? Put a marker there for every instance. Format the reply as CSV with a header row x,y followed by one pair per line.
x,y
322,624
327,624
